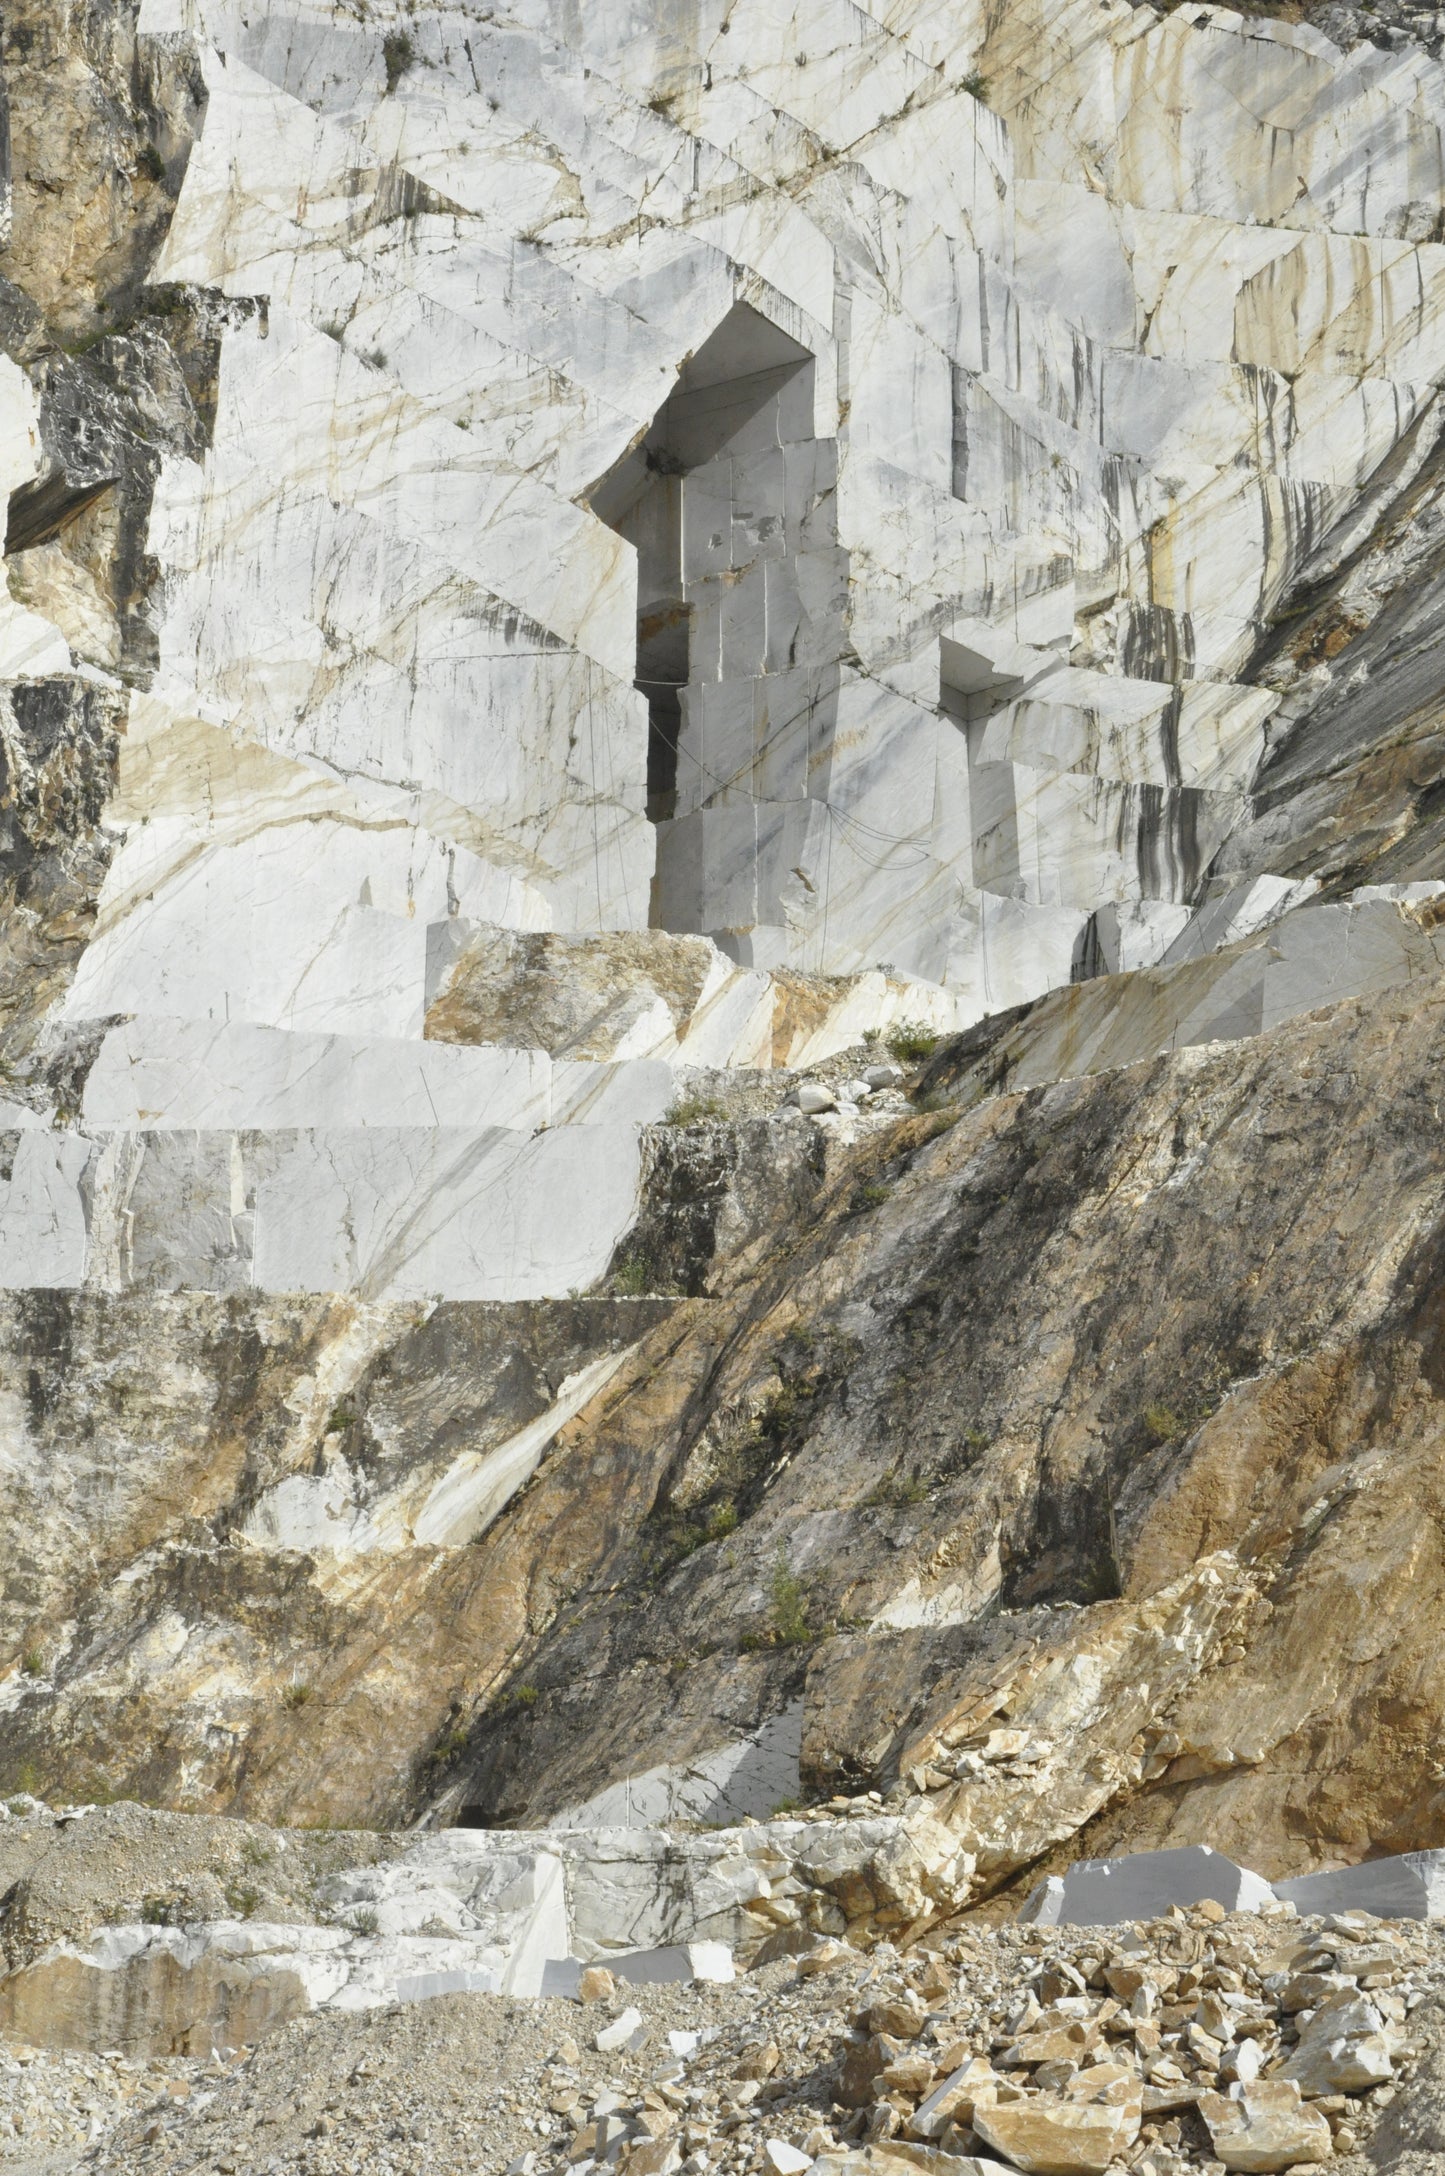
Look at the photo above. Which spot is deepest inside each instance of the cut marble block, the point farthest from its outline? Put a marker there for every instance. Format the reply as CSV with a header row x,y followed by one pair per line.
x,y
1204,734
383,1211
1106,1892
1410,1886
153,1075
1069,839
683,1962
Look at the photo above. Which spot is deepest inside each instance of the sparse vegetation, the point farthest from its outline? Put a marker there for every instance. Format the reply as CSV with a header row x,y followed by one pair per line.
x,y
297,1694
158,1911
910,1042
149,162
722,1519
693,1110
364,1920
343,1416
789,1616
898,1489
871,1196
398,54
1164,1424
32,1662
976,86
632,1277
242,1898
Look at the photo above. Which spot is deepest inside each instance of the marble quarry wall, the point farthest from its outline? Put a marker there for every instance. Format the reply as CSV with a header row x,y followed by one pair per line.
x,y
565,567
817,483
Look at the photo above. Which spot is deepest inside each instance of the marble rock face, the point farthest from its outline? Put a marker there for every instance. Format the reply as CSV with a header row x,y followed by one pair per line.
x,y
553,552
812,489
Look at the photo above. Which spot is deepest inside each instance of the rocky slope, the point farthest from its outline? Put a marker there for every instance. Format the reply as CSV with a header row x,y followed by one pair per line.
x,y
574,586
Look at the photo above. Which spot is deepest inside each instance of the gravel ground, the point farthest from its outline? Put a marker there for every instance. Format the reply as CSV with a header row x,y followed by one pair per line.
x,y
65,1872
476,2085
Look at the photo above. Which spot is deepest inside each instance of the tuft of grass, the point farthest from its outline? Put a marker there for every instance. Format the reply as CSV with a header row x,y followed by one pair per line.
x,y
896,1489
297,1694
32,1662
871,1196
158,1911
364,1920
1164,1424
242,1899
343,1416
721,1520
398,54
694,1111
976,86
149,162
910,1042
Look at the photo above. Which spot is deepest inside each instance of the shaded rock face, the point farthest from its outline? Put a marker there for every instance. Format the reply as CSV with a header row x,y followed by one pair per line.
x,y
984,1396
561,575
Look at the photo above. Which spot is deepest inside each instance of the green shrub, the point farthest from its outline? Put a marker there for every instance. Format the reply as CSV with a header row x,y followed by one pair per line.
x,y
976,87
632,1276
721,1520
910,1042
398,54
693,1111
790,1605
1164,1425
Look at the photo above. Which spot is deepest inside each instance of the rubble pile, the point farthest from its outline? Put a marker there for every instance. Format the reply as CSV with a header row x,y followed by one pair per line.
x,y
54,2104
1199,2040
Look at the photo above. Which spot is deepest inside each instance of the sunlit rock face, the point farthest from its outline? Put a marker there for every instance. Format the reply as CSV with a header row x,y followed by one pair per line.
x,y
811,483
736,411
562,560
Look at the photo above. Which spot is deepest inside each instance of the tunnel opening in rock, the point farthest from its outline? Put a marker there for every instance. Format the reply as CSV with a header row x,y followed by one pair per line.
x,y
729,501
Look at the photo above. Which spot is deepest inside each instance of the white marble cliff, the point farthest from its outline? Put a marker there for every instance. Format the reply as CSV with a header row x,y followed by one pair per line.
x,y
810,480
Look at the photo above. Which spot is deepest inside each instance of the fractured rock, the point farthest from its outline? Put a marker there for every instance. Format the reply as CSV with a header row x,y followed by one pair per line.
x,y
1343,2049
619,2033
1077,2132
1266,2127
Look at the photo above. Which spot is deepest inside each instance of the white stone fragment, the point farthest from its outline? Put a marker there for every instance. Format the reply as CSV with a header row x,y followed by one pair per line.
x,y
620,2032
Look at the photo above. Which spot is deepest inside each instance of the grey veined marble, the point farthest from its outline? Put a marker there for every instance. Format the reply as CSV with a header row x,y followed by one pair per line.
x,y
811,481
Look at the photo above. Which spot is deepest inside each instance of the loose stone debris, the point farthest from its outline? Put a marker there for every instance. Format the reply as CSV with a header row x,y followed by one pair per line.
x,y
1191,2041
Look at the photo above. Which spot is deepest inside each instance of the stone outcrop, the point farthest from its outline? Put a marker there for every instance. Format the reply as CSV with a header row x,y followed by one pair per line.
x,y
574,582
